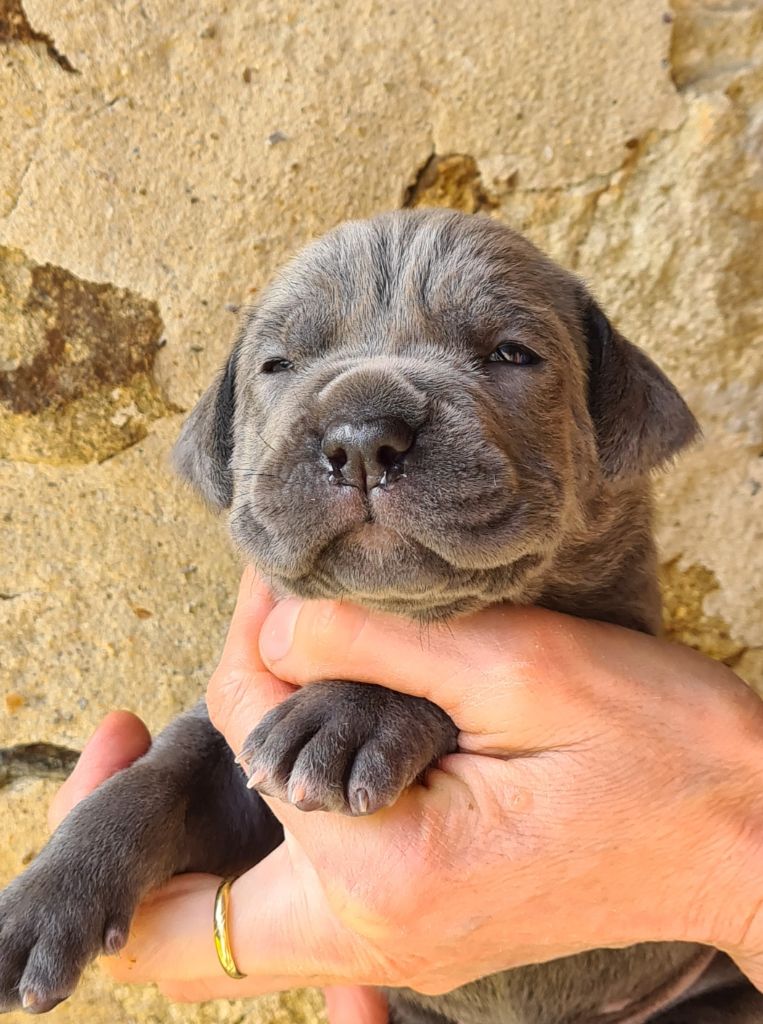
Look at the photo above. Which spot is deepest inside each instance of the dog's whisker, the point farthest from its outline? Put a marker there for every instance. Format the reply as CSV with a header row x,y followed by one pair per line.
x,y
264,441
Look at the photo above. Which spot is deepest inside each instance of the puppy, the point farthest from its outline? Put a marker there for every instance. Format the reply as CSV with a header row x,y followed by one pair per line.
x,y
425,415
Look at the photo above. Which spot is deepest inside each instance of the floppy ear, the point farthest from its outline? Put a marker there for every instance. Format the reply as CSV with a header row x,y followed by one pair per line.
x,y
203,451
639,417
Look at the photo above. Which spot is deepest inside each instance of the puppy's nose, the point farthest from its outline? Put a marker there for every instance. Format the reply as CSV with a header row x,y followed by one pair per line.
x,y
368,454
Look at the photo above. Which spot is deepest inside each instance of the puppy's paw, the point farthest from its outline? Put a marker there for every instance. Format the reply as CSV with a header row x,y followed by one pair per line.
x,y
53,921
346,747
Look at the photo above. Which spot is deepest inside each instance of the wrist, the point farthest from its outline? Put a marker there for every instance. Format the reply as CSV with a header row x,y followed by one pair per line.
x,y
742,936
730,875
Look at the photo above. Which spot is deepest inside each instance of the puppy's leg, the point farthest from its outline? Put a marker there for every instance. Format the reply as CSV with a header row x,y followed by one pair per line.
x,y
182,807
403,1012
740,1004
346,747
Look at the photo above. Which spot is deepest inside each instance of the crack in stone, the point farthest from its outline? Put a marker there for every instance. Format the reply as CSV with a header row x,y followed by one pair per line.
x,y
452,180
707,76
22,181
708,44
411,190
36,761
733,7
15,27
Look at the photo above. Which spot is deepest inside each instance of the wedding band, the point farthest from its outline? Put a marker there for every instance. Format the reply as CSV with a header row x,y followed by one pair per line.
x,y
220,929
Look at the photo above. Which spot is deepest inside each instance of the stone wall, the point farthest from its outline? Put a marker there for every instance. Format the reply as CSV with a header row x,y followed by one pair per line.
x,y
160,158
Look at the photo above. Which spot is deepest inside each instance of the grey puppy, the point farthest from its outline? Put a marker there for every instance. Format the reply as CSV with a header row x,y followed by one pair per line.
x,y
425,415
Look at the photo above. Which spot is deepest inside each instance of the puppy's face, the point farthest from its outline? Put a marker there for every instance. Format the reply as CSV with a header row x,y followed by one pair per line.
x,y
417,413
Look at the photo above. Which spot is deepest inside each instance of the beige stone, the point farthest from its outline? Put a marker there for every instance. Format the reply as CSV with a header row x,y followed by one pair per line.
x,y
120,585
160,159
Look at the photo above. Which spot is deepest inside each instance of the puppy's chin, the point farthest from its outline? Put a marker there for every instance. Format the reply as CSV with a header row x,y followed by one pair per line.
x,y
373,564
379,568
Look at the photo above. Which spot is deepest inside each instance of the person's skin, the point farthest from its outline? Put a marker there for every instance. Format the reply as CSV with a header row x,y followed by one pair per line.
x,y
608,790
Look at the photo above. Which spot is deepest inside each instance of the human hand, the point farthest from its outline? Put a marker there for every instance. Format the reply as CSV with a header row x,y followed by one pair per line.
x,y
629,809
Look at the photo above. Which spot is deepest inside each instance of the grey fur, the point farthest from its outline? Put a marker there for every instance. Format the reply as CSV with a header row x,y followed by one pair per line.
x,y
525,484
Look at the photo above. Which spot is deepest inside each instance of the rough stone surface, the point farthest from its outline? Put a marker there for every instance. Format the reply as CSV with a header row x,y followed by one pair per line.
x,y
76,362
161,158
117,589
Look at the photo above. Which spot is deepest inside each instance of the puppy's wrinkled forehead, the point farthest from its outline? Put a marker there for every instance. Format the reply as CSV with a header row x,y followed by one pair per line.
x,y
398,281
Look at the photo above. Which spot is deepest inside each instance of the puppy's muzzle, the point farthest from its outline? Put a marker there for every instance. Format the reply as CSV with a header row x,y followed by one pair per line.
x,y
369,453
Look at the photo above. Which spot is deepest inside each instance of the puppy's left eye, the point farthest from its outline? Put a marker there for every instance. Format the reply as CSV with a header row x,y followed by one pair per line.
x,y
517,355
276,366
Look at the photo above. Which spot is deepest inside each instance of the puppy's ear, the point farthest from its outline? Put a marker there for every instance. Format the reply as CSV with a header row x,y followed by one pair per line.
x,y
202,453
639,418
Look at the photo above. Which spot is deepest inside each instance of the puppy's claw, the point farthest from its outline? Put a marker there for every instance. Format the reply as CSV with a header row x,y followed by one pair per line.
x,y
33,1002
256,778
309,805
361,801
297,793
114,940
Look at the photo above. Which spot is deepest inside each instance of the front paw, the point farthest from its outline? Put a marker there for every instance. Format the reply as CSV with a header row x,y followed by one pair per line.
x,y
346,747
53,922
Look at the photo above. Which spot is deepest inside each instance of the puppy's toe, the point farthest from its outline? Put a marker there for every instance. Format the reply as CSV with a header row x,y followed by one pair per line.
x,y
50,976
378,777
272,748
318,778
14,951
51,926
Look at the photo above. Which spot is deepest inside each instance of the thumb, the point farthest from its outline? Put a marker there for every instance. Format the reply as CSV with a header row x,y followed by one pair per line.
x,y
241,689
481,669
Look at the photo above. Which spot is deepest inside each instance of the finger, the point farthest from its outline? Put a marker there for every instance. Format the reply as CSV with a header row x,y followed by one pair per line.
x,y
356,1005
119,740
480,669
282,933
242,690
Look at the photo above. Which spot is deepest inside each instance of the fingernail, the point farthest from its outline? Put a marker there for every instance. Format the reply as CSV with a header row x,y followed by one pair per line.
x,y
277,634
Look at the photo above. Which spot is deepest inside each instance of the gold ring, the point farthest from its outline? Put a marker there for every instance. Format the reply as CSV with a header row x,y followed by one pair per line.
x,y
220,929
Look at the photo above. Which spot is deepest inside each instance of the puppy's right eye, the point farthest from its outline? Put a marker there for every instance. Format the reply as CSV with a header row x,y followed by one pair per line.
x,y
276,366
